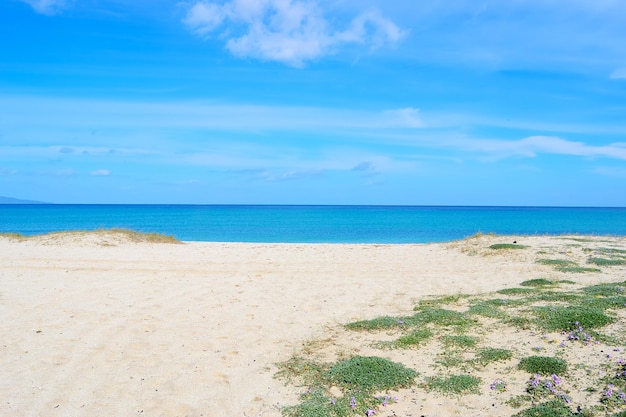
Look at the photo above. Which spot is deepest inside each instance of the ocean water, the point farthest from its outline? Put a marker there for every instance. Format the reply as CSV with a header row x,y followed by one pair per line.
x,y
314,224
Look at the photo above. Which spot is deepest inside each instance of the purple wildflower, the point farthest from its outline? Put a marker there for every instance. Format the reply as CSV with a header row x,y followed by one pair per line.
x,y
370,412
498,385
535,382
352,402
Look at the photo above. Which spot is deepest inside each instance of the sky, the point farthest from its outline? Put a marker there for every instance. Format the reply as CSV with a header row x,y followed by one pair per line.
x,y
404,102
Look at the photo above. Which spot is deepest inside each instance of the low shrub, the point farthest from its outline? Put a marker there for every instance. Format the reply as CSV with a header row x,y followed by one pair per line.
x,y
543,365
369,374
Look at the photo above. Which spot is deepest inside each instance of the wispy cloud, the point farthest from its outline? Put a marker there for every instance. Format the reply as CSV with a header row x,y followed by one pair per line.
x,y
293,174
47,7
534,145
100,173
618,74
53,113
611,171
292,32
409,117
366,169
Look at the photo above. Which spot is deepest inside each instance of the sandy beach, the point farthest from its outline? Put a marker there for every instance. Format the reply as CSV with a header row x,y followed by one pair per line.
x,y
93,325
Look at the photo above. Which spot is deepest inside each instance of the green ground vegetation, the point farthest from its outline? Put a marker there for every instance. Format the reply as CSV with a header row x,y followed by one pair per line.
x,y
558,326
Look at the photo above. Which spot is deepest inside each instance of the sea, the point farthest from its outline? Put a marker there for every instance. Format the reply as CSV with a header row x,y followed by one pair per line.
x,y
314,224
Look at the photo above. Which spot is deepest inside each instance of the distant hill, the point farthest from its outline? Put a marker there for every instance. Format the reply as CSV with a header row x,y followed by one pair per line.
x,y
9,200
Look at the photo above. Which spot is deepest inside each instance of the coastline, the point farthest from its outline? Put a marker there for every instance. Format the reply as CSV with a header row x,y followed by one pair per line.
x,y
102,326
316,224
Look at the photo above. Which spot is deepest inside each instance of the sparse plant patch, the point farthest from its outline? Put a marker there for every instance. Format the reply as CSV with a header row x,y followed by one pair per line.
x,y
554,408
515,291
454,384
604,303
537,282
484,309
451,359
520,322
380,323
500,246
543,365
413,339
611,251
606,262
14,236
460,341
564,265
541,388
554,296
498,385
550,318
445,300
579,269
442,317
557,263
298,367
606,290
488,355
571,317
358,378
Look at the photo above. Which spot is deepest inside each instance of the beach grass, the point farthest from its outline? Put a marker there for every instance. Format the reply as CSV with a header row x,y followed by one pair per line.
x,y
120,233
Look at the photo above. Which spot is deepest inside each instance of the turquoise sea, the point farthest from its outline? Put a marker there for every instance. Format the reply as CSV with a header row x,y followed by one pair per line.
x,y
314,224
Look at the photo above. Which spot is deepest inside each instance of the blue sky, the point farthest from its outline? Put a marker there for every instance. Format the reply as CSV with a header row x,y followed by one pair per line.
x,y
455,102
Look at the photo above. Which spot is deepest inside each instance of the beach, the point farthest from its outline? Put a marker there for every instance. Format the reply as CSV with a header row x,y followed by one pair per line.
x,y
95,325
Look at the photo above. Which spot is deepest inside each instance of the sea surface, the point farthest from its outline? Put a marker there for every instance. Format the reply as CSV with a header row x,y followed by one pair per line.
x,y
313,224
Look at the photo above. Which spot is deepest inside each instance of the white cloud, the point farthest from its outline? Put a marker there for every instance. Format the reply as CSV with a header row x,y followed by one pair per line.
x,y
618,74
533,145
294,174
366,169
100,173
48,7
292,32
611,171
371,27
53,113
203,18
407,117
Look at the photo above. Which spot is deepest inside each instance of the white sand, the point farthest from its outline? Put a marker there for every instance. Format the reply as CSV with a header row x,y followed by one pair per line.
x,y
96,327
